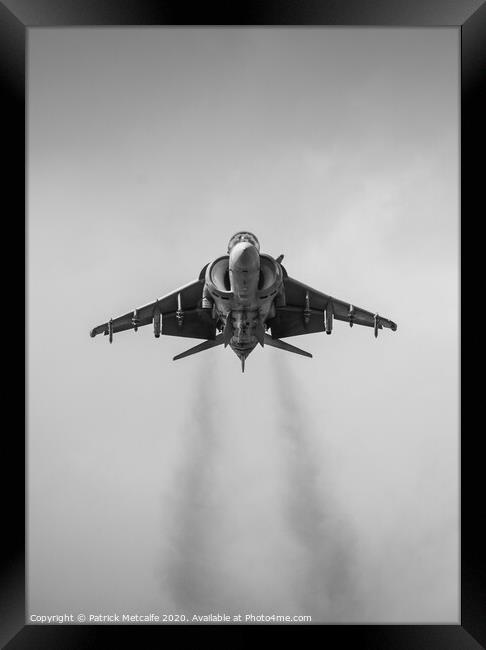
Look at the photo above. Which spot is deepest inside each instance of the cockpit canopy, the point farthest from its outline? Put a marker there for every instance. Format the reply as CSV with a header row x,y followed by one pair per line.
x,y
243,235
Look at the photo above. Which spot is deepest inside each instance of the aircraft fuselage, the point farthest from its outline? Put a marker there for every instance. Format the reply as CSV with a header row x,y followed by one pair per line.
x,y
242,288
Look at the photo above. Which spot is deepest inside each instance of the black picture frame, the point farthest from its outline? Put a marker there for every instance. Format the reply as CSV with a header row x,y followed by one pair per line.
x,y
16,16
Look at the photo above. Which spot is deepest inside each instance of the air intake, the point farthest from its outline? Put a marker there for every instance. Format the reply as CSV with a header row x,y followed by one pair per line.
x,y
218,274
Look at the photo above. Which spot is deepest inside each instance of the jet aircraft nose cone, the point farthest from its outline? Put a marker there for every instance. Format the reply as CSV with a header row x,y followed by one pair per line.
x,y
244,256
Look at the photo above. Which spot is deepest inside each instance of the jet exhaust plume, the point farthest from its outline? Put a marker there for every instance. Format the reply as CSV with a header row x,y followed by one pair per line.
x,y
324,584
191,575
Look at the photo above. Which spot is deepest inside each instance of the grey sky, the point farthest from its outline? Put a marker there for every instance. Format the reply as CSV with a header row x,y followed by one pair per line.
x,y
177,486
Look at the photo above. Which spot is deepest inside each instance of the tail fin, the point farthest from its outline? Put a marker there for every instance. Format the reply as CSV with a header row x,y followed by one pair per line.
x,y
206,345
277,343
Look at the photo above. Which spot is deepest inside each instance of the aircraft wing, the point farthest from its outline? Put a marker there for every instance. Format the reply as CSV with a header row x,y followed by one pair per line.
x,y
308,310
178,313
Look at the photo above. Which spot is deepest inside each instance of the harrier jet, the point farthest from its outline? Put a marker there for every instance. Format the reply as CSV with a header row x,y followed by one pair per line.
x,y
242,299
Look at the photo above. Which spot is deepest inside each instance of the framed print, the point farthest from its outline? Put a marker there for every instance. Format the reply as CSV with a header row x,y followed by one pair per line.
x,y
239,179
